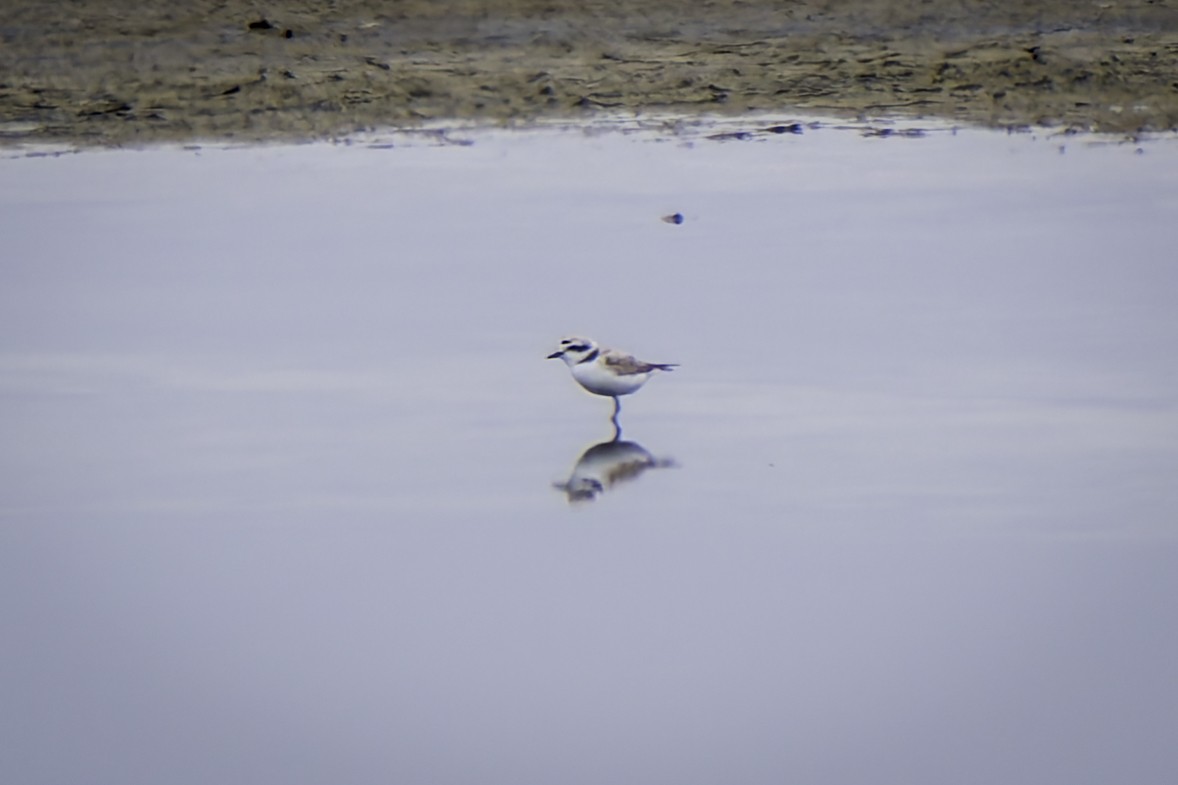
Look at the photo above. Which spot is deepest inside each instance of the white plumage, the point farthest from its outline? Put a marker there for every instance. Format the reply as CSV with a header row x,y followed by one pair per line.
x,y
603,371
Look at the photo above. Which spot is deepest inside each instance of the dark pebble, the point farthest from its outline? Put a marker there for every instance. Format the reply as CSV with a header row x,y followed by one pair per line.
x,y
791,128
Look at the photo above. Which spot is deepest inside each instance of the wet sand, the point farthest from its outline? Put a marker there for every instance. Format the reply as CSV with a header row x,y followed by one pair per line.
x,y
111,72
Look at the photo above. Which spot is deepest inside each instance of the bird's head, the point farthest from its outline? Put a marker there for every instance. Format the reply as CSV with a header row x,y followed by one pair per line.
x,y
574,349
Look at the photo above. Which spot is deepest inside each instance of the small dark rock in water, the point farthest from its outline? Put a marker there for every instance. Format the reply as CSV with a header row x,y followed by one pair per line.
x,y
676,218
261,24
729,136
791,128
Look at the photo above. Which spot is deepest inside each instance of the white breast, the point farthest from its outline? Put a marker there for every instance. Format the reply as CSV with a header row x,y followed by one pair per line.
x,y
600,380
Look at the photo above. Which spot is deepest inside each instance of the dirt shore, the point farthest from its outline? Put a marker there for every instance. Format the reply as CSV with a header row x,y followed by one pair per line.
x,y
116,72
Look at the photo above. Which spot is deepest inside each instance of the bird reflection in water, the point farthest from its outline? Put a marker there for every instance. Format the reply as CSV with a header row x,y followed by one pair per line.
x,y
605,465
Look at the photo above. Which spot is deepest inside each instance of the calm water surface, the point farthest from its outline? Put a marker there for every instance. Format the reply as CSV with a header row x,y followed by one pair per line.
x,y
281,477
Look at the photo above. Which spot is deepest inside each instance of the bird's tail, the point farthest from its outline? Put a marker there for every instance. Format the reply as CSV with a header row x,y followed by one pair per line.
x,y
665,366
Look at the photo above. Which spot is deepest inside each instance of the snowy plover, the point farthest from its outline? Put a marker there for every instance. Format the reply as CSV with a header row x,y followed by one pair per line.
x,y
604,371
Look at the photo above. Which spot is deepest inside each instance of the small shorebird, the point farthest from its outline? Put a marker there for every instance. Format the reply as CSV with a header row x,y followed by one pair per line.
x,y
604,371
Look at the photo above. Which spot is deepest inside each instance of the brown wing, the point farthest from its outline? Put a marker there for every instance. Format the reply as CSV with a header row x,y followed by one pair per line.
x,y
626,365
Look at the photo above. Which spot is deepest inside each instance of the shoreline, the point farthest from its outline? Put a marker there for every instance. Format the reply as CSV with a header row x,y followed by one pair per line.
x,y
119,74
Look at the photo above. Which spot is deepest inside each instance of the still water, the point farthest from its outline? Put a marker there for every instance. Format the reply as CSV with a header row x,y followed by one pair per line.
x,y
286,481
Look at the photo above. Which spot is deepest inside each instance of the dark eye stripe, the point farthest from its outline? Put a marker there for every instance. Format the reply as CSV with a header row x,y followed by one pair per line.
x,y
581,347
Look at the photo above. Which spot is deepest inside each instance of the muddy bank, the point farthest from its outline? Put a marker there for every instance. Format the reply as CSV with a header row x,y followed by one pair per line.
x,y
119,72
